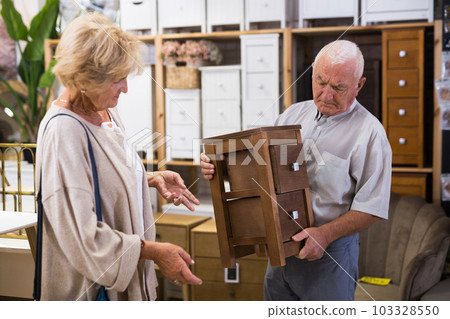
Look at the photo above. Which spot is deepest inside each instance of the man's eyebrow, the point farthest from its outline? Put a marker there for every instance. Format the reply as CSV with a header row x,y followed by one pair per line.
x,y
319,78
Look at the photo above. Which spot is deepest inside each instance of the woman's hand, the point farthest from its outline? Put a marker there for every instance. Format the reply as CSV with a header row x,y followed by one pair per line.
x,y
207,167
171,186
172,260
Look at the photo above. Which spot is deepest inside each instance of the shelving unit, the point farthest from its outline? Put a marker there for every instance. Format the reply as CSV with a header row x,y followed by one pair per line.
x,y
291,40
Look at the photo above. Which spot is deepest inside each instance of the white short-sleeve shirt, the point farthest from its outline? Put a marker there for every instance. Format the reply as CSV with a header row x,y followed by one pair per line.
x,y
348,160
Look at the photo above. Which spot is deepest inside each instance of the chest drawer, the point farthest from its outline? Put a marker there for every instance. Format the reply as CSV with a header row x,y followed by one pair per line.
x,y
138,15
172,234
403,83
262,57
403,112
259,113
221,84
221,114
403,53
183,137
267,10
250,270
260,86
403,140
175,13
409,184
218,291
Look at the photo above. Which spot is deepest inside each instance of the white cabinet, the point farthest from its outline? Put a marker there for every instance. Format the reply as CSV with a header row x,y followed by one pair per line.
x,y
180,14
282,11
221,100
138,15
135,106
396,10
224,13
183,124
327,9
260,80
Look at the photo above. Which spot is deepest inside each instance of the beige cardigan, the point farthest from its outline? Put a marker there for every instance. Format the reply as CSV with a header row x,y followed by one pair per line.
x,y
77,249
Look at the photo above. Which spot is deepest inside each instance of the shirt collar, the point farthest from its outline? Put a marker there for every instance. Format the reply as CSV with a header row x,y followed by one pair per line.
x,y
339,116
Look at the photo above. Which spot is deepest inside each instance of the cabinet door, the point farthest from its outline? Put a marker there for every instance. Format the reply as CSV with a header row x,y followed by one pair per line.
x,y
135,106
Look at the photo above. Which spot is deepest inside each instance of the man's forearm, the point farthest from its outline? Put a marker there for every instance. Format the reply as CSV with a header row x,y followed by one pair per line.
x,y
347,224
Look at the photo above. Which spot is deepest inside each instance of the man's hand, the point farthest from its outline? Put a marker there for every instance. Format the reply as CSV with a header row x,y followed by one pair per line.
x,y
172,260
207,167
316,241
171,186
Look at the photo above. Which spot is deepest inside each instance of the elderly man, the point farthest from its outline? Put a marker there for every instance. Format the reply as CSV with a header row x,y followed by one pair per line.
x,y
349,185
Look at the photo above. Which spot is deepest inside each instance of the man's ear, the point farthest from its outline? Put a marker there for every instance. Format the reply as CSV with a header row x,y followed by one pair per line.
x,y
360,85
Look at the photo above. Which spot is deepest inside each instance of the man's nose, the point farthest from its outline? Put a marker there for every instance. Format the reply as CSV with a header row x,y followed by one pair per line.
x,y
329,92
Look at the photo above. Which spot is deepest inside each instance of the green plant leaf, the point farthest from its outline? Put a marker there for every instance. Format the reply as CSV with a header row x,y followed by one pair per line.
x,y
17,30
48,77
41,28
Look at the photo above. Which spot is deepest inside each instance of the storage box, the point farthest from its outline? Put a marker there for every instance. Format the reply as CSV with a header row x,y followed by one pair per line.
x,y
182,77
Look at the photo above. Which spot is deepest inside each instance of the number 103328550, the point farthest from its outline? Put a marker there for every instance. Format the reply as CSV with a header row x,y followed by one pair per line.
x,y
405,310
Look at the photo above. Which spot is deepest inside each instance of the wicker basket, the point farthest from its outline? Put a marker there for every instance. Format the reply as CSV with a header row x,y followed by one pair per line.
x,y
182,77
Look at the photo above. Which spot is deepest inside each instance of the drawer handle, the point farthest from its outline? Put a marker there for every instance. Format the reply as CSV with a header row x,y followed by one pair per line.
x,y
402,112
221,112
402,140
182,112
183,138
259,58
402,53
266,4
402,83
260,86
295,167
220,84
181,8
294,214
260,113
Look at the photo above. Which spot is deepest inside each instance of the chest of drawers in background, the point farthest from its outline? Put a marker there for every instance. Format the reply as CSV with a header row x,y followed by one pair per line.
x,y
403,94
182,124
221,100
260,80
175,229
208,266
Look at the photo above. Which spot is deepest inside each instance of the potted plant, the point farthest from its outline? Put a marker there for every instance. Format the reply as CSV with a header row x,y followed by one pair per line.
x,y
30,108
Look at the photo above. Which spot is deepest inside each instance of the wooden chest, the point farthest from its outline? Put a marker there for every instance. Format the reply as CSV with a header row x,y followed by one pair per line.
x,y
260,192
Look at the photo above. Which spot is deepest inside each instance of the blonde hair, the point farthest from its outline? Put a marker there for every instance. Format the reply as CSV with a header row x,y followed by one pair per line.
x,y
341,51
93,52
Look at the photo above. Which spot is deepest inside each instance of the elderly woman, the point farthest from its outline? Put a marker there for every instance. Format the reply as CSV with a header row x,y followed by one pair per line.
x,y
81,254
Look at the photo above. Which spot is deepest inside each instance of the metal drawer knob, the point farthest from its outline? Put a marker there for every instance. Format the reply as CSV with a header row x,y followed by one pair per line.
x,y
221,112
295,167
220,84
266,4
260,113
402,140
402,53
402,83
401,112
294,214
260,86
259,58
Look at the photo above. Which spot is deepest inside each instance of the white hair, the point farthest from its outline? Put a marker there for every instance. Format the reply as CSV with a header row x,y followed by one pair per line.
x,y
342,51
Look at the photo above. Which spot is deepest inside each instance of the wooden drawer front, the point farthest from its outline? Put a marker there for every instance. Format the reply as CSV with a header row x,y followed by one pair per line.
x,y
403,112
261,86
247,220
403,83
221,85
290,222
220,291
211,269
409,184
403,54
172,234
206,245
403,140
287,179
